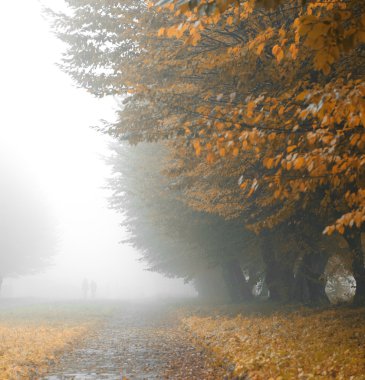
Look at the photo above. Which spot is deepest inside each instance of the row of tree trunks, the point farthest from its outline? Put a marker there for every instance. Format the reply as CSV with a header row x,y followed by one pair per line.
x,y
306,286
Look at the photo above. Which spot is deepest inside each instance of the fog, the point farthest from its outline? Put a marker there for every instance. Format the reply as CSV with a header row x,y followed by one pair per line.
x,y
53,173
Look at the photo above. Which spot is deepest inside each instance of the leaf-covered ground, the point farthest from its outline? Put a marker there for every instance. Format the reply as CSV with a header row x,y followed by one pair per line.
x,y
138,341
162,341
302,344
33,336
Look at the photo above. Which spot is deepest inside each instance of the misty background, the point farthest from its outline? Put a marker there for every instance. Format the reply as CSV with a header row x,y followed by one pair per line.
x,y
49,151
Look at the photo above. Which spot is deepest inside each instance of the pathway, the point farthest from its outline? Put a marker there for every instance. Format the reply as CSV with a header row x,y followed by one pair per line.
x,y
136,342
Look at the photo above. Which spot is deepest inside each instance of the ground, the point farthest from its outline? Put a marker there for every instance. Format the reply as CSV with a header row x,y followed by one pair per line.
x,y
170,340
137,341
262,342
99,340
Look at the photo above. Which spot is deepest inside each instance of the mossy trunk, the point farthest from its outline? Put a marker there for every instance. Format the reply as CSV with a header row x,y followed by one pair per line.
x,y
353,238
236,283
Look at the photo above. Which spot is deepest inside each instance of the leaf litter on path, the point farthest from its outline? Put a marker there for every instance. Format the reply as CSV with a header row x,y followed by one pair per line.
x,y
138,341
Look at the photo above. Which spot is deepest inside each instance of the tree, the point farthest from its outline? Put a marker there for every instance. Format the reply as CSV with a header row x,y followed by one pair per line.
x,y
262,102
175,240
303,129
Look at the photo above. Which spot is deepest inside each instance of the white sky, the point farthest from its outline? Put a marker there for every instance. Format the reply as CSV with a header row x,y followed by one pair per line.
x,y
45,134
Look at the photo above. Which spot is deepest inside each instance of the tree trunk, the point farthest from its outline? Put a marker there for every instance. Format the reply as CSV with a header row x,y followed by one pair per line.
x,y
235,280
301,288
309,285
211,286
353,238
279,277
279,280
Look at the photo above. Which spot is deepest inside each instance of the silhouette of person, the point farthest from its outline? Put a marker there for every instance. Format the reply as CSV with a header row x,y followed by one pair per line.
x,y
93,287
85,287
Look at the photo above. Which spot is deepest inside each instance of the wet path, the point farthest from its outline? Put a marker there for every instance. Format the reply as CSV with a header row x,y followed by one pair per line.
x,y
136,342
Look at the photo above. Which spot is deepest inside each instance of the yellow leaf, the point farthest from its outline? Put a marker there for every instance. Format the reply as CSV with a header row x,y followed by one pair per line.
x,y
251,191
293,51
260,48
354,139
358,219
250,107
272,136
302,96
170,32
230,20
243,185
278,53
275,50
340,228
299,162
161,32
329,230
282,32
268,163
219,125
210,158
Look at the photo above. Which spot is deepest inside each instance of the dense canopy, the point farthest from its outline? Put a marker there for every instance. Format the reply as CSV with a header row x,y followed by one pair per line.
x,y
261,105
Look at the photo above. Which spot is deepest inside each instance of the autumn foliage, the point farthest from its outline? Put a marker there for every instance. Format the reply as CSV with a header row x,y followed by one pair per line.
x,y
262,105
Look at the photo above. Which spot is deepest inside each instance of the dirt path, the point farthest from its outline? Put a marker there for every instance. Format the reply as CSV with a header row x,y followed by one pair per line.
x,y
138,342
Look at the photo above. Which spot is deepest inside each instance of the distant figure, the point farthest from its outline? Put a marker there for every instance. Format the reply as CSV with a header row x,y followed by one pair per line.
x,y
93,287
85,287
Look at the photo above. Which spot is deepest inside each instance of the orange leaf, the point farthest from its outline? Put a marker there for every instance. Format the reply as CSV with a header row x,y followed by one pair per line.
x,y
260,48
230,20
299,162
340,228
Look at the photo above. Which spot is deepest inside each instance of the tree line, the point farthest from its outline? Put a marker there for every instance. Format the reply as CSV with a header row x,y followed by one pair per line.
x,y
249,122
